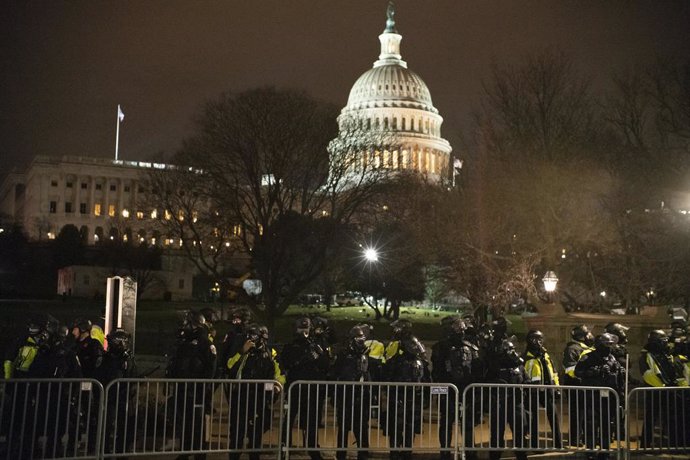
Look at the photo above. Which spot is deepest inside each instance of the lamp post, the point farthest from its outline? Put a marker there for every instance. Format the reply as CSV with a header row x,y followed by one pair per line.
x,y
550,281
371,255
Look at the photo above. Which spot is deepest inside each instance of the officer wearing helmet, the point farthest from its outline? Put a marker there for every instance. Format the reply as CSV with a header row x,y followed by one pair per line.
x,y
21,355
454,359
400,329
620,351
352,404
659,369
118,363
89,350
600,368
541,371
582,341
678,341
233,341
250,404
507,403
304,359
407,364
194,357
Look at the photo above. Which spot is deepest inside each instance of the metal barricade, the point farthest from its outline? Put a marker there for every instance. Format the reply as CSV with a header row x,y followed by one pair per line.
x,y
368,417
50,418
186,417
541,418
658,420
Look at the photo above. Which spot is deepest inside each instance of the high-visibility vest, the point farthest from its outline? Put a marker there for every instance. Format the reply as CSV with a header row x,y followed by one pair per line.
x,y
535,370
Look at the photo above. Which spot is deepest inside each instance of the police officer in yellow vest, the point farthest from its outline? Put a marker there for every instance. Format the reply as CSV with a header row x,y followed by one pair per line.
x,y
582,342
540,371
659,369
21,356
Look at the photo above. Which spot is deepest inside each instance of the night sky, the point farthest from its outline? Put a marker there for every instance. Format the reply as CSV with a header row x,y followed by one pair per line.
x,y
67,64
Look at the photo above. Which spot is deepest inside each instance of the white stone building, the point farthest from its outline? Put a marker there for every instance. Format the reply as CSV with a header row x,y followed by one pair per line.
x,y
394,100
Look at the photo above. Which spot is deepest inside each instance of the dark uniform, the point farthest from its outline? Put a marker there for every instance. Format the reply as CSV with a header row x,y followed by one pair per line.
x,y
508,402
599,368
455,360
118,363
304,359
194,358
540,371
659,369
234,339
250,403
403,417
352,404
582,341
89,350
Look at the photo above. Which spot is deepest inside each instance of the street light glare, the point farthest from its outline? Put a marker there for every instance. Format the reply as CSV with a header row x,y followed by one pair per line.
x,y
371,255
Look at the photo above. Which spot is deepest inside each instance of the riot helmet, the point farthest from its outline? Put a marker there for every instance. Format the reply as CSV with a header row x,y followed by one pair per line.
x,y
240,317
303,326
81,326
458,327
358,339
210,315
33,328
581,333
401,328
619,331
500,326
508,354
535,341
118,341
367,329
605,342
657,341
412,346
446,323
678,329
193,320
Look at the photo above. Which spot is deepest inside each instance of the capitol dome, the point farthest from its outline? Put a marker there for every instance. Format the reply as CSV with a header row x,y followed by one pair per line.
x,y
393,100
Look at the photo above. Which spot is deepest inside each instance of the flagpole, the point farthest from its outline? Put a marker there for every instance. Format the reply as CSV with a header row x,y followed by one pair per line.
x,y
117,130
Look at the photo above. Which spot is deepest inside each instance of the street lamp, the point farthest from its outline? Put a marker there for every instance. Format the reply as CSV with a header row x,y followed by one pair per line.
x,y
371,255
550,281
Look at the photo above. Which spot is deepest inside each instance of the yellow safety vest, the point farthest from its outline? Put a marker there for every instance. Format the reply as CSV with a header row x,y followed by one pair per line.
x,y
392,349
535,371
376,349
570,370
651,375
277,372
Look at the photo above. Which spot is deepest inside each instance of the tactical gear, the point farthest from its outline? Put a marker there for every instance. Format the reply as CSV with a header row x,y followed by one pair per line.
x,y
210,315
619,331
401,328
605,342
458,327
582,333
303,326
84,325
118,341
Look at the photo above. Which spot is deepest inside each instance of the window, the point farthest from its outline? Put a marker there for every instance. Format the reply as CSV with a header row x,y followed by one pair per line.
x,y
99,186
82,208
97,209
69,184
140,189
140,214
68,206
84,185
180,283
53,207
111,210
53,183
113,187
127,188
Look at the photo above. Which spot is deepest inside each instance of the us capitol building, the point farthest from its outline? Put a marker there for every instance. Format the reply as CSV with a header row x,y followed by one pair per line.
x,y
395,101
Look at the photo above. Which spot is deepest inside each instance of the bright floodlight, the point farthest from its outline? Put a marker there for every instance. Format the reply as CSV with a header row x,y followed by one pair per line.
x,y
550,281
371,255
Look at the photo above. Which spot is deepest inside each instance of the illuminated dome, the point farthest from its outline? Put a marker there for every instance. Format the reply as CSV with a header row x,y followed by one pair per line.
x,y
395,100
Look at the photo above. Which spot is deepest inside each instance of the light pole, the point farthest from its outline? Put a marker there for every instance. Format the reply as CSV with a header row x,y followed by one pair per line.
x,y
371,255
550,281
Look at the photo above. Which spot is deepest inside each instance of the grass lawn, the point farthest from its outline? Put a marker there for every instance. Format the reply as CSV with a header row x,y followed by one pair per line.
x,y
157,321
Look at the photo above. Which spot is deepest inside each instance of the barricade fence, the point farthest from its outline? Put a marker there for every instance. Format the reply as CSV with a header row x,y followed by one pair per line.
x,y
78,419
541,418
370,417
50,418
658,420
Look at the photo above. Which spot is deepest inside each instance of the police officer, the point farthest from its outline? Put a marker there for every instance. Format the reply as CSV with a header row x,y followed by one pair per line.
x,y
118,363
540,371
21,355
403,421
401,329
352,404
305,359
194,357
508,402
599,368
234,339
250,405
659,369
89,350
455,360
619,350
582,341
375,354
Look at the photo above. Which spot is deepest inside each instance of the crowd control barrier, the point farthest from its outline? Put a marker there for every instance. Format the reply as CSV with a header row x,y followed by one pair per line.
x,y
50,418
185,417
541,418
369,417
658,420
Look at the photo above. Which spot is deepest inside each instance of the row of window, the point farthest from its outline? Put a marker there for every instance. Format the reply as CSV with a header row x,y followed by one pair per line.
x,y
85,186
422,126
